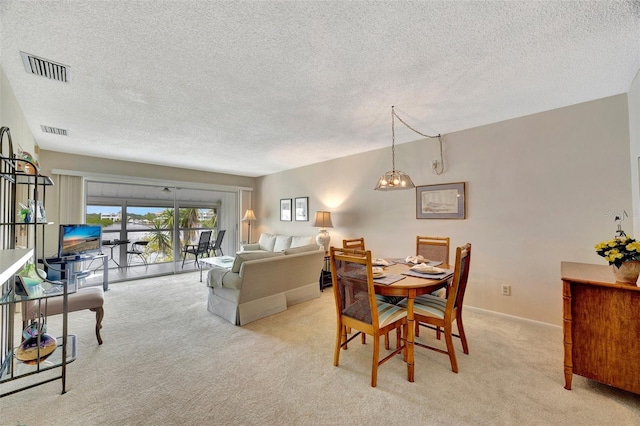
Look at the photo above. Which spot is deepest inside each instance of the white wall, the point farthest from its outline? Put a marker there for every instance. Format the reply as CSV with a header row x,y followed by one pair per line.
x,y
541,189
55,160
634,136
11,116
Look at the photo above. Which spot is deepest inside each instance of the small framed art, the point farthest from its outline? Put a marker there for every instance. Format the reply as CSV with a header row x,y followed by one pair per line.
x,y
285,209
302,208
444,201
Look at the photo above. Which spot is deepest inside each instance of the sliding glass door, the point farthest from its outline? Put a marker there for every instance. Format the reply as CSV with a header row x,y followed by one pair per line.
x,y
146,228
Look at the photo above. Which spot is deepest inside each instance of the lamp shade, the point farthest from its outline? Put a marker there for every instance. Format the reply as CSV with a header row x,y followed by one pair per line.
x,y
323,220
393,180
249,216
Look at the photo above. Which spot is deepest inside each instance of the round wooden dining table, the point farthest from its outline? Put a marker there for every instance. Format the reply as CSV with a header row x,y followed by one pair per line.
x,y
410,287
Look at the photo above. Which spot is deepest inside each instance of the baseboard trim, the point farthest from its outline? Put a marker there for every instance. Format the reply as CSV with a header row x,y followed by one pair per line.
x,y
512,317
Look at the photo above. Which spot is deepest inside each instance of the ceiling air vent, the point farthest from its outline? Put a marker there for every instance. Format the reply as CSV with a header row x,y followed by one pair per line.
x,y
45,67
54,130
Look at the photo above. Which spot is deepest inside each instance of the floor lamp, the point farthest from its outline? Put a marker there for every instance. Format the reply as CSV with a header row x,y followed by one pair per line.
x,y
248,217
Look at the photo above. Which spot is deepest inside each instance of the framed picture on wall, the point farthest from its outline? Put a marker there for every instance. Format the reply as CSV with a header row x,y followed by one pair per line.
x,y
445,201
285,209
302,208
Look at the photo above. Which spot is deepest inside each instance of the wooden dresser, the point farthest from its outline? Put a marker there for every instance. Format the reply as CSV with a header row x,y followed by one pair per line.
x,y
601,323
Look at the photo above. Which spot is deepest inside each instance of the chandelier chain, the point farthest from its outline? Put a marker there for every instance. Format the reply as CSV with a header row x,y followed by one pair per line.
x,y
393,112
395,179
393,141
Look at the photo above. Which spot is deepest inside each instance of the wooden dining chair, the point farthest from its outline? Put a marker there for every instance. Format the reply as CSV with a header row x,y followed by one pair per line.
x,y
354,243
437,313
357,307
433,248
358,244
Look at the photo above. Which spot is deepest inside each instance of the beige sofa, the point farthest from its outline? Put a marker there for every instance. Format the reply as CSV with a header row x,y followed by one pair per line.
x,y
262,283
276,242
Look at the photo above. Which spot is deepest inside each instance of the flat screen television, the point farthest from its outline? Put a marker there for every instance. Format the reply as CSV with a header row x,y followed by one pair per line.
x,y
76,240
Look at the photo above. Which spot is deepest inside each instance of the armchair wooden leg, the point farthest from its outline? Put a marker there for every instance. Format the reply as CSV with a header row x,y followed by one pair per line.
x,y
99,315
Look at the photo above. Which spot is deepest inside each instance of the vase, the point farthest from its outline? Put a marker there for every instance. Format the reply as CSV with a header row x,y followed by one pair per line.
x,y
628,272
33,350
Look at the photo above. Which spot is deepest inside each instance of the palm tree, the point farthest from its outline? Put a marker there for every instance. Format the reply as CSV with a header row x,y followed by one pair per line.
x,y
188,221
211,223
166,218
161,241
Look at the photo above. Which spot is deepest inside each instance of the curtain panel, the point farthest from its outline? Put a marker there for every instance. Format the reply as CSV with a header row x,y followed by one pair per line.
x,y
70,199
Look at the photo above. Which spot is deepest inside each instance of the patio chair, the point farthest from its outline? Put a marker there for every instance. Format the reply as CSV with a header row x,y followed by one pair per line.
x,y
197,249
217,244
137,249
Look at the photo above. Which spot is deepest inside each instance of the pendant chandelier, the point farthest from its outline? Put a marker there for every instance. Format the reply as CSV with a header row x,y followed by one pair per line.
x,y
396,179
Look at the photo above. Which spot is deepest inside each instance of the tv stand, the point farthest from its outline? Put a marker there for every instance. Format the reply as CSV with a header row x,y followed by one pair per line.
x,y
71,267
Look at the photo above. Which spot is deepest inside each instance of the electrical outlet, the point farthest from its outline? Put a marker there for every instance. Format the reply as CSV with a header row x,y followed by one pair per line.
x,y
506,290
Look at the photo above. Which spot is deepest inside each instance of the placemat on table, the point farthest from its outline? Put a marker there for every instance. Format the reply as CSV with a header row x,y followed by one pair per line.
x,y
388,279
389,261
403,262
446,275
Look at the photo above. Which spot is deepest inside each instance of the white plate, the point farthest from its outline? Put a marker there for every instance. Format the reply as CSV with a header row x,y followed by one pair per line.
x,y
416,260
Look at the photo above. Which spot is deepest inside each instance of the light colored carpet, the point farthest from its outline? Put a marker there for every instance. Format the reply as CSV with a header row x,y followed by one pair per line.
x,y
166,360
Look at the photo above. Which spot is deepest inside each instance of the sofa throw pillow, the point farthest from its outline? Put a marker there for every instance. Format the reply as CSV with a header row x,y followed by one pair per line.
x,y
282,242
302,249
301,241
242,257
267,241
250,247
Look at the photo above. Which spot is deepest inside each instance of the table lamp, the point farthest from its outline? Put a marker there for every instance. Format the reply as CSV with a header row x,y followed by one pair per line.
x,y
323,221
248,217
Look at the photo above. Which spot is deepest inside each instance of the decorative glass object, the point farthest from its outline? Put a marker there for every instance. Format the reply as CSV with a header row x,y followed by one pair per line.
x,y
35,350
38,345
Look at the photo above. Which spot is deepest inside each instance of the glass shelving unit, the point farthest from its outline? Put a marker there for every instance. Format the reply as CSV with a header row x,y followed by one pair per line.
x,y
20,178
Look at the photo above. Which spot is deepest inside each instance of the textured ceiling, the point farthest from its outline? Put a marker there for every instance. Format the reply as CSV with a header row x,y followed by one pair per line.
x,y
253,88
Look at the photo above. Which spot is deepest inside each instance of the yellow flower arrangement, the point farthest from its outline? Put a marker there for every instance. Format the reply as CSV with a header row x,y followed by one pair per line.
x,y
619,250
